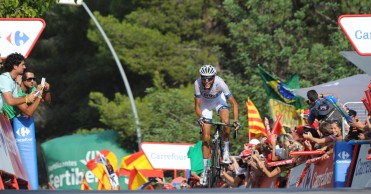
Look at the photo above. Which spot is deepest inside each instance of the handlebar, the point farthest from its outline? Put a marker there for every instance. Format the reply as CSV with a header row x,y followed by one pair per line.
x,y
219,123
224,124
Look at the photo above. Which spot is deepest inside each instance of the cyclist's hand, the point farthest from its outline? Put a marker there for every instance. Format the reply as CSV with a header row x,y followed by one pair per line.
x,y
237,125
201,121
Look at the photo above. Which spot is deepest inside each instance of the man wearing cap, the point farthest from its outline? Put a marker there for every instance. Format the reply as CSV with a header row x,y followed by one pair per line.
x,y
241,173
251,145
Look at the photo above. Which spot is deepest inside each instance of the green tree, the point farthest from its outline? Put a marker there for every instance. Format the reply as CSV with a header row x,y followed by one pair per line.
x,y
286,37
24,8
163,39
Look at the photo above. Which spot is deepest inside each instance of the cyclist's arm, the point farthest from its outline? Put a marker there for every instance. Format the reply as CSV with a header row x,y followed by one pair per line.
x,y
234,105
198,106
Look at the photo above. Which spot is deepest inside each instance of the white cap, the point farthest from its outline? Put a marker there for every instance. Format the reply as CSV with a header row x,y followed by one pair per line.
x,y
254,141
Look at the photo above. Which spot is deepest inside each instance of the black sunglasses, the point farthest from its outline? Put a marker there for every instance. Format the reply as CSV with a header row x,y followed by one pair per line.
x,y
31,78
208,78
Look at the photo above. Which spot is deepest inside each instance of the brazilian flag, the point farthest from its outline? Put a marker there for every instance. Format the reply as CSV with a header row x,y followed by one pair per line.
x,y
282,99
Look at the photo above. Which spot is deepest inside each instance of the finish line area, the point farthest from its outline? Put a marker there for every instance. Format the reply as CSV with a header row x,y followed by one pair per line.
x,y
219,191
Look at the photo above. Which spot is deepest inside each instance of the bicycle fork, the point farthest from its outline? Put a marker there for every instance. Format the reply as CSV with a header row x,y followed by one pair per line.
x,y
217,149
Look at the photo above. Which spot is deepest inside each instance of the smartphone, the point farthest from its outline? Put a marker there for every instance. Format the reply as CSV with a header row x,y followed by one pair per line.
x,y
43,82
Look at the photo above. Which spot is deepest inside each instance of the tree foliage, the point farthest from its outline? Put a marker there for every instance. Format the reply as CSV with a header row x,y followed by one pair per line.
x,y
24,8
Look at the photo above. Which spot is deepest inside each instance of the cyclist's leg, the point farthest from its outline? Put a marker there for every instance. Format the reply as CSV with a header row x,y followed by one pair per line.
x,y
224,116
206,142
207,113
223,112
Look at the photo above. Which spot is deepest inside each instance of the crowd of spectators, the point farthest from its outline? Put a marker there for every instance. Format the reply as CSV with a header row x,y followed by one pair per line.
x,y
318,136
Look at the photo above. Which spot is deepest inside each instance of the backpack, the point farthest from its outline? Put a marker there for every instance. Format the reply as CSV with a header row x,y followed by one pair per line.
x,y
324,110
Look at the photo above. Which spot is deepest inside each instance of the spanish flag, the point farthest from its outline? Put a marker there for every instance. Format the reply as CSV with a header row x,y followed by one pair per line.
x,y
137,179
137,160
256,126
99,169
85,184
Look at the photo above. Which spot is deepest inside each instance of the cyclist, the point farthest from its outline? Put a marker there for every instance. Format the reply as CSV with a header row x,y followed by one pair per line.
x,y
211,92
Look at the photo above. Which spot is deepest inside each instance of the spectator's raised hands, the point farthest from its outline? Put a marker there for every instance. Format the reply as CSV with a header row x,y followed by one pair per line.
x,y
274,139
308,135
308,145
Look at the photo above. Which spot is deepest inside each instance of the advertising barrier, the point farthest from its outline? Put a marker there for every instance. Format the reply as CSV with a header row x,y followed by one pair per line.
x,y
24,132
313,175
66,158
11,161
362,172
167,155
343,158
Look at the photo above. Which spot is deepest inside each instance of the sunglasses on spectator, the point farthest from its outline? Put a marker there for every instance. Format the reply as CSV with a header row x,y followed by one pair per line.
x,y
30,79
207,78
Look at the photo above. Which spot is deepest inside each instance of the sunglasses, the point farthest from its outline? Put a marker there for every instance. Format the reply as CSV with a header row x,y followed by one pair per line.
x,y
208,78
30,79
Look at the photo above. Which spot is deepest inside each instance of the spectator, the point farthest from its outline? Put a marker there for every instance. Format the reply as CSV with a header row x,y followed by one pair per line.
x,y
29,84
365,135
328,135
13,66
260,160
322,108
184,184
356,127
240,176
25,87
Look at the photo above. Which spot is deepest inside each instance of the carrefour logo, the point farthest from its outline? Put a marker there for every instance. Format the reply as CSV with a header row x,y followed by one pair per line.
x,y
343,155
23,132
17,38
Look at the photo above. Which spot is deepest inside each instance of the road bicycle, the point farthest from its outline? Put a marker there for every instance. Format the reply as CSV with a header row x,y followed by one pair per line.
x,y
216,155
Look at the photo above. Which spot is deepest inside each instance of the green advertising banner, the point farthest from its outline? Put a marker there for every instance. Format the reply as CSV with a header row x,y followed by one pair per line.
x,y
66,157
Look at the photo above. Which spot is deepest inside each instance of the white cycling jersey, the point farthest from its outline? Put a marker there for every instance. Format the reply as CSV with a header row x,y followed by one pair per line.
x,y
215,97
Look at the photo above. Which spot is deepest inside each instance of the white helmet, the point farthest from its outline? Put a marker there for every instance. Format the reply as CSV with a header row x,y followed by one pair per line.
x,y
207,70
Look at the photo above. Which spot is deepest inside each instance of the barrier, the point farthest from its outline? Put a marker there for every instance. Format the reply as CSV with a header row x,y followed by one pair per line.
x,y
343,159
362,173
24,132
12,173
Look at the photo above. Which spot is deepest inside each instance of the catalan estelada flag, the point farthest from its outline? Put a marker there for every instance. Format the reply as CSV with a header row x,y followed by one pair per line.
x,y
137,179
256,126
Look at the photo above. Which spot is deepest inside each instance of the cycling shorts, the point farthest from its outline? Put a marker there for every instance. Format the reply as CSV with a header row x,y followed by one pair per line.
x,y
207,106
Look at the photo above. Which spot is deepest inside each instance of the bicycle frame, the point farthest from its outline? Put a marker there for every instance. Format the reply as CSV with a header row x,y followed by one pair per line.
x,y
216,154
215,157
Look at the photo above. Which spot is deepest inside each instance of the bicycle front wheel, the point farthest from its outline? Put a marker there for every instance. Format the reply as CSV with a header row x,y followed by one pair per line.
x,y
214,173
